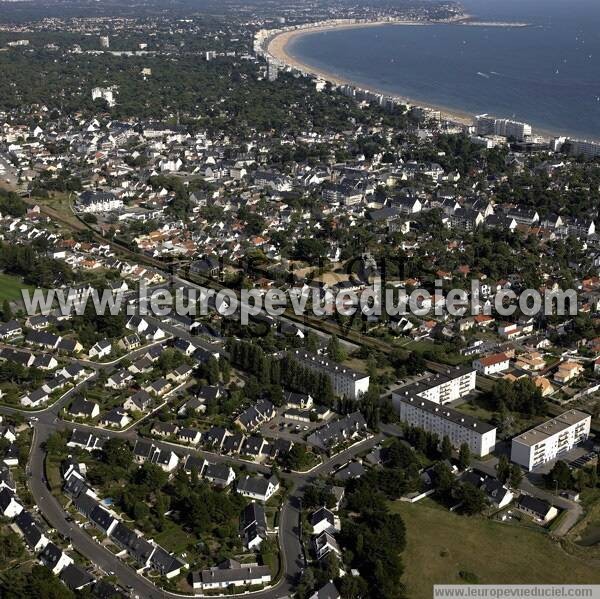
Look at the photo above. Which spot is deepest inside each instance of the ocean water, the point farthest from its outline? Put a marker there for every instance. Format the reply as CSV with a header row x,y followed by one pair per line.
x,y
547,74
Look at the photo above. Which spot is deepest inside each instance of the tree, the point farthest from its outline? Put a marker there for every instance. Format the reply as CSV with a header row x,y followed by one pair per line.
x,y
559,477
335,350
212,371
444,479
503,469
446,448
225,368
474,500
40,582
464,456
151,476
307,584
117,453
7,313
11,547
56,444
581,480
516,476
353,587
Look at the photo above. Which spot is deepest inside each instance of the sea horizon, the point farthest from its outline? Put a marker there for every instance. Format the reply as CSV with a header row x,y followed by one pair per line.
x,y
441,75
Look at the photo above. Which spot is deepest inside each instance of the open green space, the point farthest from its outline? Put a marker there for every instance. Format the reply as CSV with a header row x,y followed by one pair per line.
x,y
10,288
441,545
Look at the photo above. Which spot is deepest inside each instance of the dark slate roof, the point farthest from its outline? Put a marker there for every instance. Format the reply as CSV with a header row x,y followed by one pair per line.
x,y
85,504
31,530
535,505
164,562
101,517
75,577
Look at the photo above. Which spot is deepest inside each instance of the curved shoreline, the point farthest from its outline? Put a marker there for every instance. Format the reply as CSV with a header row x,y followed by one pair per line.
x,y
277,48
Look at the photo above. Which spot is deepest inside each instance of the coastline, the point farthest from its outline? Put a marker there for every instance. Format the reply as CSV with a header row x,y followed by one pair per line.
x,y
277,47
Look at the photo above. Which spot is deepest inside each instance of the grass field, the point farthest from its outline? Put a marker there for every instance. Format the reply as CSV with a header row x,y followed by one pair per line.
x,y
10,288
174,538
441,544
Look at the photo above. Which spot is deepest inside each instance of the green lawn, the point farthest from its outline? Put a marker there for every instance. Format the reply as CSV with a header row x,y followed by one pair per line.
x,y
174,538
10,288
441,544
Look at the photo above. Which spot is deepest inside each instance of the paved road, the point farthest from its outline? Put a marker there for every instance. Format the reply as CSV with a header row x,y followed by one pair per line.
x,y
573,509
292,554
102,557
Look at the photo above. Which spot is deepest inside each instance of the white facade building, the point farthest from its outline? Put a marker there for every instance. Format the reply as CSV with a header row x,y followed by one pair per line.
x,y
98,201
344,381
103,93
445,387
489,125
550,439
581,147
444,421
492,364
236,575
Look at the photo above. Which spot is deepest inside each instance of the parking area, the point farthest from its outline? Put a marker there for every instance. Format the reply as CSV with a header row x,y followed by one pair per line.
x,y
292,430
409,380
572,458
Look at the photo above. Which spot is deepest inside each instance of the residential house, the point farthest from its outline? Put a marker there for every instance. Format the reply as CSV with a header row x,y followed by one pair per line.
x,y
262,411
54,558
231,574
537,508
334,433
258,487
329,591
116,418
189,435
219,475
76,578
36,398
181,374
101,349
323,520
568,371
139,402
164,429
253,525
10,330
82,408
493,364
31,532
9,506
325,544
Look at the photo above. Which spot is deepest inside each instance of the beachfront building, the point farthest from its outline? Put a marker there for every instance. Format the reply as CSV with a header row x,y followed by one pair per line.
x,y
489,125
581,147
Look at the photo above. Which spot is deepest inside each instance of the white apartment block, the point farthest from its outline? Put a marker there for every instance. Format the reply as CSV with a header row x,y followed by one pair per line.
x,y
345,381
550,439
106,94
581,147
444,421
445,387
489,125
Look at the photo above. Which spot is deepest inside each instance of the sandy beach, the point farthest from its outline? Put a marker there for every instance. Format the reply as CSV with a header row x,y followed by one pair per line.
x,y
278,47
